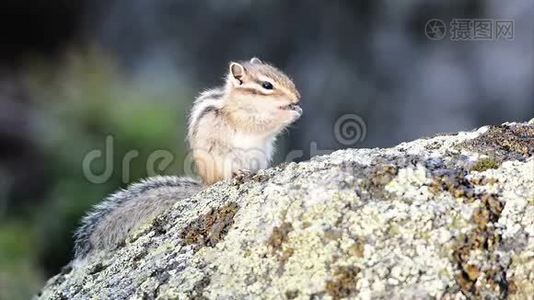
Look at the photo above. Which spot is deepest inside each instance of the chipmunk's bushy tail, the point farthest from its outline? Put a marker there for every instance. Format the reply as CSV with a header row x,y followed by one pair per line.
x,y
110,221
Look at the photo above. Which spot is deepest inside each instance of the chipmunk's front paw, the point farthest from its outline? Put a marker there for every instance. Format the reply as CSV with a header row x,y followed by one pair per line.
x,y
240,176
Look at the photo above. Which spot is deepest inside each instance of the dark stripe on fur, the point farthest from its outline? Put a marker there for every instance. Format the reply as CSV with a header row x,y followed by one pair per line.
x,y
202,114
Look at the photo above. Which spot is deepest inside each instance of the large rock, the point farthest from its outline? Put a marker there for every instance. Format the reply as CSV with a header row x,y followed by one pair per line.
x,y
450,216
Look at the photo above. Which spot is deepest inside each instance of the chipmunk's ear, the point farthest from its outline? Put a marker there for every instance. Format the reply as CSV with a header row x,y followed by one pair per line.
x,y
255,60
237,72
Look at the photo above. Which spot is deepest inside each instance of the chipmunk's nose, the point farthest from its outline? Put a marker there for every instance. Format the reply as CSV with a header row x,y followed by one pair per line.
x,y
298,110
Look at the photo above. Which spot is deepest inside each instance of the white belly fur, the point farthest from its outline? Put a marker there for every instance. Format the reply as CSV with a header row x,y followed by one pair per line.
x,y
251,152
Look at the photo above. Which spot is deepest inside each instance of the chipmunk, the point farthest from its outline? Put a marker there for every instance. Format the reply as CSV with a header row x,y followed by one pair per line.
x,y
232,129
231,132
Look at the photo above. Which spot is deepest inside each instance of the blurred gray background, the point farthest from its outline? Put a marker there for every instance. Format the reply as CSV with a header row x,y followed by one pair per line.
x,y
371,58
74,72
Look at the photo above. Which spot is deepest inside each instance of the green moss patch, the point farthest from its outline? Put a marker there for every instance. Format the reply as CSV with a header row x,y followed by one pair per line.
x,y
276,240
485,164
504,142
279,236
475,281
344,282
292,294
210,228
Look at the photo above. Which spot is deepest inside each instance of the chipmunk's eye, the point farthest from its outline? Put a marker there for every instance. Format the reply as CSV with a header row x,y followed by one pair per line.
x,y
267,85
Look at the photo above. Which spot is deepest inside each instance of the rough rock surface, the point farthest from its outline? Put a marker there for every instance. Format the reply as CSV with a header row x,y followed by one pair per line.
x,y
449,217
